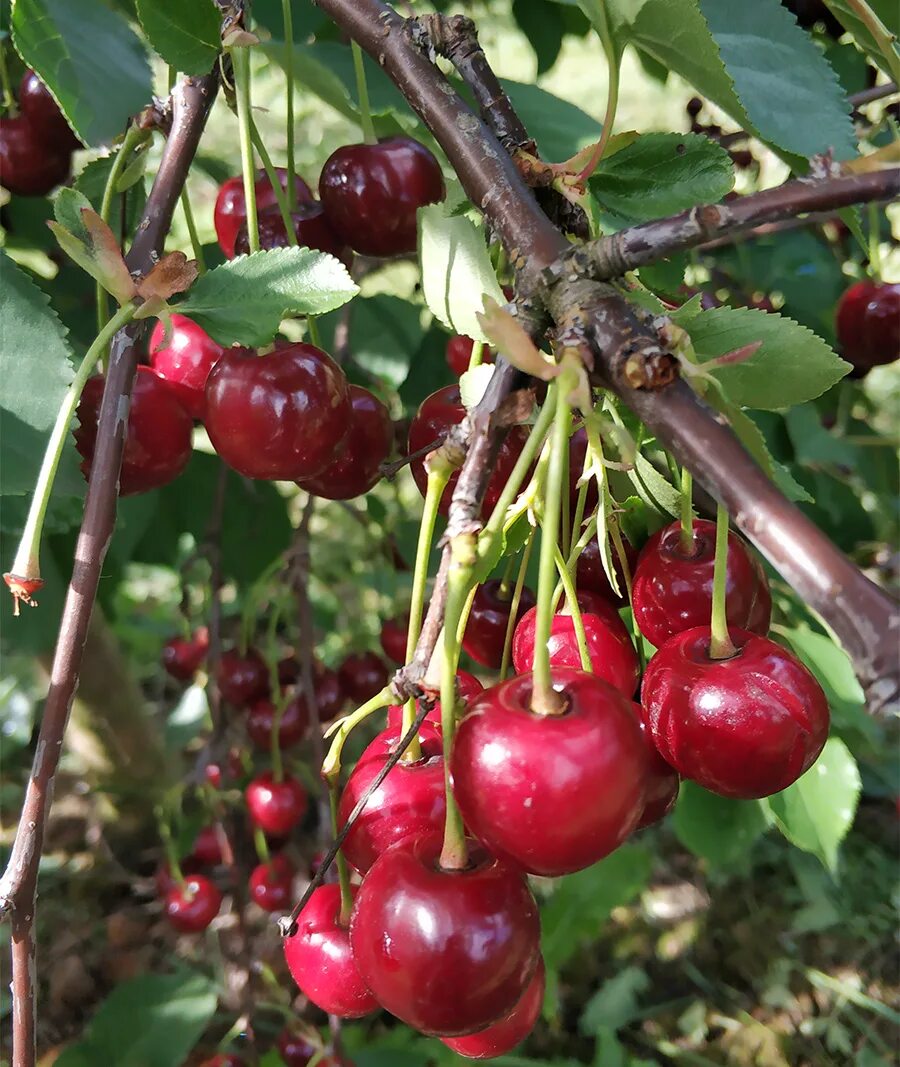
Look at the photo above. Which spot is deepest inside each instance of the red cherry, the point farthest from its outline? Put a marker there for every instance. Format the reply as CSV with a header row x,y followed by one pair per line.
x,y
28,166
551,793
275,807
662,781
292,727
448,952
243,679
370,193
384,743
37,104
271,884
321,960
485,633
743,727
289,671
158,439
296,1051
436,414
612,654
164,878
182,657
192,907
468,687
393,639
356,467
281,416
459,354
408,803
503,1036
868,324
213,775
231,207
207,851
185,362
672,592
310,228
362,675
330,695
590,575
224,1059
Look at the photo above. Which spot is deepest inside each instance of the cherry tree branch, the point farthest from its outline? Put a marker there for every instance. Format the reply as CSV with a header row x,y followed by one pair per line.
x,y
191,99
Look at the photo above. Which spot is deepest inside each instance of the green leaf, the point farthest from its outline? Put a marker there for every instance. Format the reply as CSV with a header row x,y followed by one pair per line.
x,y
616,1002
187,36
655,490
456,270
715,828
661,174
90,59
791,366
244,300
559,128
751,437
816,812
385,331
543,24
92,181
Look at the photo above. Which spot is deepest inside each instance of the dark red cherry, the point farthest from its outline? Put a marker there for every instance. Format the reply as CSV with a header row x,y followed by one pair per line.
x,y
436,414
393,639
37,104
28,166
590,575
164,878
310,228
485,633
743,727
207,850
356,467
191,907
292,726
511,1030
243,678
672,590
610,649
158,439
550,793
271,884
468,687
275,807
321,960
281,416
185,362
371,192
182,657
409,802
330,695
231,206
225,1059
362,675
662,781
295,1050
289,671
868,324
459,354
448,952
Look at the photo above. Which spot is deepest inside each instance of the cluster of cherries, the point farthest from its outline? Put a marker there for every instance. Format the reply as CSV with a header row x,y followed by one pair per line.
x,y
36,145
289,415
868,324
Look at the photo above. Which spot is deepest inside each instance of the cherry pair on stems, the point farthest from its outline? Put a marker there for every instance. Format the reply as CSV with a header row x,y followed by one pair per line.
x,y
36,145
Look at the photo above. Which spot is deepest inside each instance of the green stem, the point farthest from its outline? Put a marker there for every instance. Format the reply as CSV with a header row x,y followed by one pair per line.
x,y
196,246
687,512
341,863
362,91
288,20
133,137
882,35
312,327
720,643
27,560
506,580
281,197
612,97
454,854
9,99
342,729
514,606
575,611
261,845
581,499
165,833
241,62
874,241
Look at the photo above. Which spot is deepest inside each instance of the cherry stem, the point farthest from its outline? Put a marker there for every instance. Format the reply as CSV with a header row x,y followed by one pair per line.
x,y
514,606
580,503
241,62
507,579
9,100
616,536
720,643
342,728
612,96
165,834
312,327
261,845
279,697
686,540
27,559
882,35
288,20
575,611
281,198
454,854
362,91
342,868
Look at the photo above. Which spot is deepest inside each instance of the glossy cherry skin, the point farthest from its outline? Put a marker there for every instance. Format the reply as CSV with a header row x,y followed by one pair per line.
x,y
672,592
485,633
330,695
292,726
393,639
158,439
436,414
362,675
590,575
275,807
185,362
192,907
281,416
744,727
371,192
459,354
503,1036
295,1050
448,952
37,105
164,878
271,884
408,803
321,960
868,324
356,467
243,679
662,781
28,166
310,228
231,206
551,794
467,687
182,657
610,649
207,850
